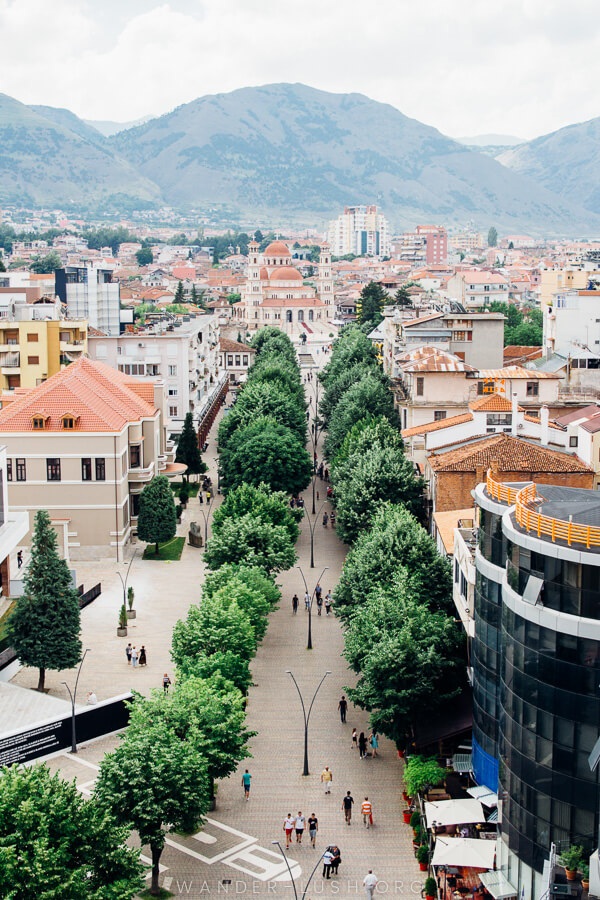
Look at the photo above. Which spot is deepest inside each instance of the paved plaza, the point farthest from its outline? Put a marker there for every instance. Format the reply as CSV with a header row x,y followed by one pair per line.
x,y
234,853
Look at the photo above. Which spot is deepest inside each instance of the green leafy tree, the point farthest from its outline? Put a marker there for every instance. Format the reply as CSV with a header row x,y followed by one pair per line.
x,y
368,433
492,237
208,629
369,478
157,519
336,388
409,659
234,297
394,539
208,713
369,395
371,302
351,347
144,256
272,338
179,293
259,400
188,451
46,265
268,452
250,600
271,368
268,506
225,663
253,576
258,236
421,774
44,627
155,783
252,541
54,843
2,266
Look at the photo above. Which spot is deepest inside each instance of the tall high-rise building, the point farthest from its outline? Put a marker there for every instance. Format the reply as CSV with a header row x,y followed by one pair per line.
x,y
360,230
535,657
90,293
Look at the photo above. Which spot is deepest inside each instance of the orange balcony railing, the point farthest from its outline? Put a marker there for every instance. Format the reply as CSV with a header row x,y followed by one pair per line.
x,y
499,491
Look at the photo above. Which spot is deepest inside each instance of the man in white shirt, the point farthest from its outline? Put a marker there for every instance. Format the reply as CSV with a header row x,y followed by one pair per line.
x,y
299,826
370,883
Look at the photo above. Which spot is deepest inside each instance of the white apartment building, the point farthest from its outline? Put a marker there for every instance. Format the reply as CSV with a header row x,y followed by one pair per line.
x,y
181,352
475,289
90,293
360,230
573,318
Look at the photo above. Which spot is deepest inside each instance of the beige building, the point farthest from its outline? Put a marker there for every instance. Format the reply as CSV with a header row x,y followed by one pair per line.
x,y
553,281
82,446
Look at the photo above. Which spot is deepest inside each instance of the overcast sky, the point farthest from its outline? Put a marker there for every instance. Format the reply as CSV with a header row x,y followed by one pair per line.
x,y
521,67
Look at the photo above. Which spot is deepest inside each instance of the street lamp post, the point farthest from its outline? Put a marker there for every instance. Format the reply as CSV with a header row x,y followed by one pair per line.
x,y
306,717
73,697
290,870
314,437
309,645
205,516
311,525
124,582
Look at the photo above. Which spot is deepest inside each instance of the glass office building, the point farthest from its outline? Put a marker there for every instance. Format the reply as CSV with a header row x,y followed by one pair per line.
x,y
536,670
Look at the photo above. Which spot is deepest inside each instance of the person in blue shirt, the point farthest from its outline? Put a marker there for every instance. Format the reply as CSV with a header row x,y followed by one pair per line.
x,y
246,779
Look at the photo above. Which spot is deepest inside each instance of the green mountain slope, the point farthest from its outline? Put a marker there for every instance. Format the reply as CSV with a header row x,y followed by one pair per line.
x,y
290,152
50,157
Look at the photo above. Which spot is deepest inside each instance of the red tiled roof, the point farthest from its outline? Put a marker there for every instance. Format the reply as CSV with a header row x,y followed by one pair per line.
x,y
102,399
437,426
516,372
491,403
510,454
431,359
234,346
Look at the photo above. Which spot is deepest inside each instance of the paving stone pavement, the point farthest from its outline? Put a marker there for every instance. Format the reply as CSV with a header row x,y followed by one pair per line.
x,y
234,853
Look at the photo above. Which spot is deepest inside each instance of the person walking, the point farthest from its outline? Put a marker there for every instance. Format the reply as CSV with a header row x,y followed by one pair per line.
x,y
374,741
343,707
347,806
313,827
288,827
370,883
307,601
327,860
143,660
319,605
337,858
134,657
295,602
367,812
128,654
328,604
362,745
246,779
354,743
166,683
326,779
299,824
318,591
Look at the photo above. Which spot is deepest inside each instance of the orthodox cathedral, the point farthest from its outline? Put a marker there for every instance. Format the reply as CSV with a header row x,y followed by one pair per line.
x,y
274,292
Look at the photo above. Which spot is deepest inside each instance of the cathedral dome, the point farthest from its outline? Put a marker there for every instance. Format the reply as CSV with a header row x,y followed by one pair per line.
x,y
286,273
277,248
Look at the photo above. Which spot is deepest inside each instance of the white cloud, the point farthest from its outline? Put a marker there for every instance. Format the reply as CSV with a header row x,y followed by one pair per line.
x,y
466,66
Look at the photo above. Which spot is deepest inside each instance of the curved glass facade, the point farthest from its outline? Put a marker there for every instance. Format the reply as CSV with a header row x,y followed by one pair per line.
x,y
550,710
569,587
485,651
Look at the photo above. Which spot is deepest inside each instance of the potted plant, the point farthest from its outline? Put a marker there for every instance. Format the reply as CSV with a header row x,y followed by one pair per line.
x,y
423,857
585,876
415,820
122,626
571,860
130,599
430,888
418,836
406,797
421,773
184,494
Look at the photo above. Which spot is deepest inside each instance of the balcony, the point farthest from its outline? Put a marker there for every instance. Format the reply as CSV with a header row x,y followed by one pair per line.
x,y
71,346
141,474
9,362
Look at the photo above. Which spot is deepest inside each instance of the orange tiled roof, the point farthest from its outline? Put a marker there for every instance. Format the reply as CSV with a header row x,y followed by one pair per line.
x,y
437,426
234,346
491,403
516,372
511,455
102,399
431,359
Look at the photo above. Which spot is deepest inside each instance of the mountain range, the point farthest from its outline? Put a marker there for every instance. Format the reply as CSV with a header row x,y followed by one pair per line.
x,y
290,153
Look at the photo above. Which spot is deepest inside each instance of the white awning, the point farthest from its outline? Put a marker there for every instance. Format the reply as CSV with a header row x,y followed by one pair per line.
x,y
453,812
469,852
498,885
484,795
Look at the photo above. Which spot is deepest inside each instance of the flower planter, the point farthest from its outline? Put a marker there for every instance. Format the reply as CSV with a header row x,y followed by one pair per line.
x,y
121,632
585,884
406,797
428,897
407,813
423,867
401,754
571,874
131,613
